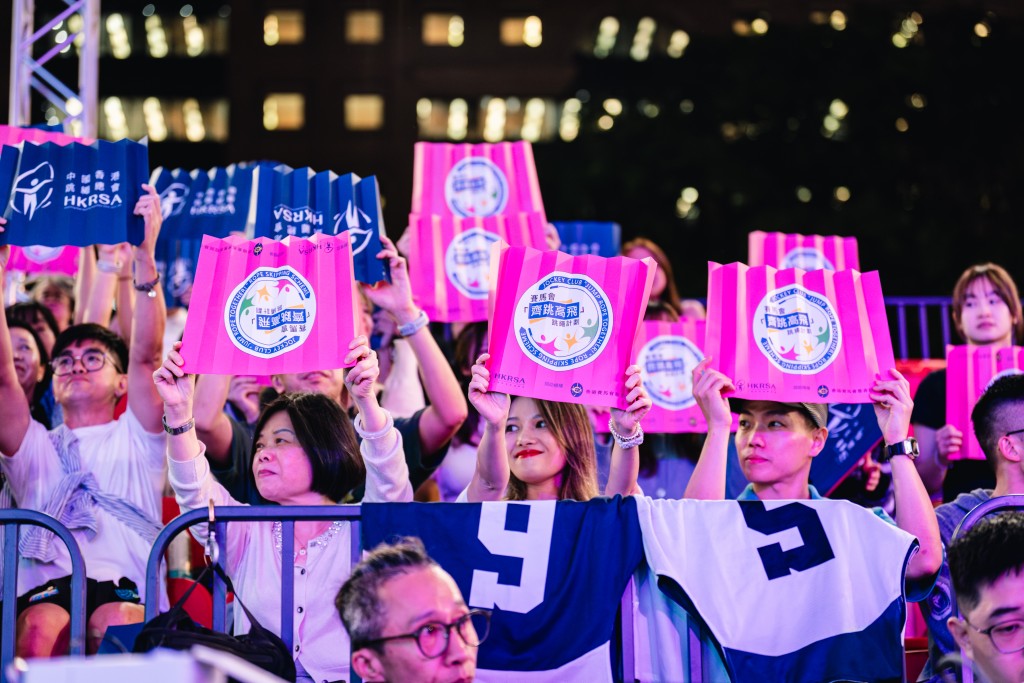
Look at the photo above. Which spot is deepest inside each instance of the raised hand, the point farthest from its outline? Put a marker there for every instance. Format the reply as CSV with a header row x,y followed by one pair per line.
x,y
709,391
949,440
893,406
360,378
176,387
626,421
394,297
148,207
491,405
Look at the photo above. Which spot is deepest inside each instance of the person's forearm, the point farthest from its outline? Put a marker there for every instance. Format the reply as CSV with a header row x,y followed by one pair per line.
x,y
439,381
84,280
915,515
185,446
97,305
492,473
373,417
125,307
929,464
14,410
708,479
150,315
623,471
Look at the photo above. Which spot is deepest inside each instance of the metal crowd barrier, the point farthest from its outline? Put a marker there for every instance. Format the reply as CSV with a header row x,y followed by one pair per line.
x,y
11,520
930,310
993,505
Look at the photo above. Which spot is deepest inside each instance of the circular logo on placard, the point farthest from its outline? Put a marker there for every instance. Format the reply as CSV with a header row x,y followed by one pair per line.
x,y
666,365
476,187
467,262
38,253
806,258
563,321
797,330
271,312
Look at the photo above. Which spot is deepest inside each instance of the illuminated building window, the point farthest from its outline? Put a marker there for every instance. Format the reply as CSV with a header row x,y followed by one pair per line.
x,y
443,29
516,31
364,112
164,119
284,27
284,111
364,27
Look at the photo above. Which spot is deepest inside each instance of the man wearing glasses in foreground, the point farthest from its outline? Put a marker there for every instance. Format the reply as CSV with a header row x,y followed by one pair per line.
x,y
407,620
987,564
102,478
998,419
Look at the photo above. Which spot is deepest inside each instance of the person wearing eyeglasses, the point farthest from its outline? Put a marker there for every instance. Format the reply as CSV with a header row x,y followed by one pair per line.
x,y
101,477
407,620
998,419
987,564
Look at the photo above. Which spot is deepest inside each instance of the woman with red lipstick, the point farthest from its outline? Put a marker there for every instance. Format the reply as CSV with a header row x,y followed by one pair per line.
x,y
544,450
986,312
305,453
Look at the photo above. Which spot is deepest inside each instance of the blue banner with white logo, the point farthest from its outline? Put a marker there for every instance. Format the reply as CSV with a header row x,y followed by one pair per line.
x,y
852,433
580,238
193,203
74,194
302,202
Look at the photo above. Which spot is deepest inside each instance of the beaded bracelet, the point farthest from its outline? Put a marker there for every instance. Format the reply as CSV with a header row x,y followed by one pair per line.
x,y
371,436
635,439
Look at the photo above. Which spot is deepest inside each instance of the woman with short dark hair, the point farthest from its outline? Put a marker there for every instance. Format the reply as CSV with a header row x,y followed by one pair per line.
x,y
304,453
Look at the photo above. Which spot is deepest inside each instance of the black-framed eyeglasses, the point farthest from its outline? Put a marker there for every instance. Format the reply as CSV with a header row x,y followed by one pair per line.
x,y
1007,637
1015,431
92,360
432,638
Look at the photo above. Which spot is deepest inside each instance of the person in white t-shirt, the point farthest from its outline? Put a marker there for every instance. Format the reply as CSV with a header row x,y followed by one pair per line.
x,y
103,478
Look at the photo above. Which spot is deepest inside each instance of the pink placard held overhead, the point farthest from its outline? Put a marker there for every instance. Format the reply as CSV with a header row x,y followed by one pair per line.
x,y
809,252
791,335
562,327
667,353
969,371
475,181
261,307
12,135
449,260
39,259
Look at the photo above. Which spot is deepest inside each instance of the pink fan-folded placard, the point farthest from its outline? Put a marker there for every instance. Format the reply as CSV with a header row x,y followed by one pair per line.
x,y
969,371
449,260
667,353
475,181
562,327
791,335
808,252
262,307
41,259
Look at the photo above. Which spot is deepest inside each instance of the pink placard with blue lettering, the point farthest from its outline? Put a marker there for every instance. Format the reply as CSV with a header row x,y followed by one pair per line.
x,y
791,335
40,259
449,260
969,371
808,252
265,307
667,353
562,327
475,181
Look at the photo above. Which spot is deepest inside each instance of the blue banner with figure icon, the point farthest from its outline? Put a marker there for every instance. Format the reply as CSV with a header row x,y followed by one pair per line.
x,y
74,194
580,238
302,202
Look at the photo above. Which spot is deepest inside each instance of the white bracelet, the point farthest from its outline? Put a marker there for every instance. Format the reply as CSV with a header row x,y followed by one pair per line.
x,y
414,325
624,442
372,436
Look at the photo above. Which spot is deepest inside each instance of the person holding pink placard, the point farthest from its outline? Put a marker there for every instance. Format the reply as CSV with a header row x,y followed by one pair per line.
x,y
305,453
986,312
534,449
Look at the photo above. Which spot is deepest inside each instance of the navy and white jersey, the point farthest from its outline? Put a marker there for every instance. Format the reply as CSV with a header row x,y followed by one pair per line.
x,y
553,574
790,590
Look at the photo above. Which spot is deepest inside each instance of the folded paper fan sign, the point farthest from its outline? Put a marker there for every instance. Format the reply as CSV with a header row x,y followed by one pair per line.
x,y
580,238
38,259
262,307
969,371
792,335
562,327
807,252
12,135
475,181
449,260
73,194
302,202
667,353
